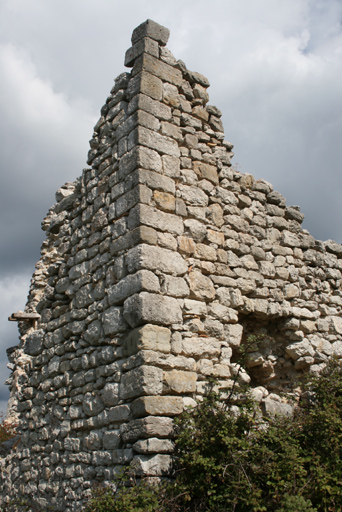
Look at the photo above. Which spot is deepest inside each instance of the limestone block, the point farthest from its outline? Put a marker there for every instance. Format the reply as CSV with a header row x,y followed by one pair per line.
x,y
110,394
152,426
275,408
336,324
111,439
153,140
151,308
92,405
206,171
196,229
234,334
153,30
171,130
254,359
119,413
215,214
154,180
143,102
201,347
141,234
171,166
145,380
304,362
93,441
178,381
138,118
171,95
143,45
193,195
133,283
154,445
145,83
167,241
157,406
164,201
34,343
84,296
194,307
93,332
224,314
291,291
145,256
158,68
300,349
113,321
290,239
229,297
175,286
215,237
205,252
153,465
186,245
147,337
201,286
337,348
144,214
139,157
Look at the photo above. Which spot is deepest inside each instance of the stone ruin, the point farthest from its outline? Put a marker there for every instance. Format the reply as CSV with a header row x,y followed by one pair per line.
x,y
159,261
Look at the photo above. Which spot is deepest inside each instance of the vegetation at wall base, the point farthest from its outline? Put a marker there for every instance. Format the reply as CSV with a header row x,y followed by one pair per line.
x,y
229,462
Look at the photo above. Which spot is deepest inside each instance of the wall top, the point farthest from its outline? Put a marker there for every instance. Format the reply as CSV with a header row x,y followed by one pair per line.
x,y
153,30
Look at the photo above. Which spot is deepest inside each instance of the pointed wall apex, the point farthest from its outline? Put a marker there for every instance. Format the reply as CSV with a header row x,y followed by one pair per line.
x,y
153,30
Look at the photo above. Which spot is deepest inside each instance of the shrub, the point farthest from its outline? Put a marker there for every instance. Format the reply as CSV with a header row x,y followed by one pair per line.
x,y
242,462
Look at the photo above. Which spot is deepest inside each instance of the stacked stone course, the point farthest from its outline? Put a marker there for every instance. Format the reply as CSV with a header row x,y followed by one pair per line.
x,y
159,261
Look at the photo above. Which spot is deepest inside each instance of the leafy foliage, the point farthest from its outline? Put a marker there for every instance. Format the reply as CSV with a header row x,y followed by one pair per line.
x,y
237,461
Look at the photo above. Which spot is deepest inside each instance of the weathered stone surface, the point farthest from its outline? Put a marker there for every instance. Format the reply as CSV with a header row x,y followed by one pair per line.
x,y
131,284
155,465
148,337
155,258
147,307
153,30
157,406
180,382
151,426
113,321
145,380
154,445
300,349
34,343
144,214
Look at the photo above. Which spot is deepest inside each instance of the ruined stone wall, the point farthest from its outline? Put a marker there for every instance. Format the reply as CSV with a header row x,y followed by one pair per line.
x,y
159,261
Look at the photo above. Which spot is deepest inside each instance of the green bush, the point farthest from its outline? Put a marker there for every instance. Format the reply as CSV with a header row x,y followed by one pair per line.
x,y
242,462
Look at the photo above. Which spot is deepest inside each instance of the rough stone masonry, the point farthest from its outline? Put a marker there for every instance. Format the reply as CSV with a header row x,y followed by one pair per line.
x,y
159,261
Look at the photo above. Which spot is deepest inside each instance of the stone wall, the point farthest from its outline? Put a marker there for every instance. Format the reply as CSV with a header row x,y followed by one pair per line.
x,y
159,261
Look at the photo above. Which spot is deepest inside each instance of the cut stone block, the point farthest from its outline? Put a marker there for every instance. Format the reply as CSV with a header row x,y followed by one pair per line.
x,y
153,30
148,337
131,284
145,256
151,308
155,465
152,426
157,406
145,380
154,445
181,382
165,222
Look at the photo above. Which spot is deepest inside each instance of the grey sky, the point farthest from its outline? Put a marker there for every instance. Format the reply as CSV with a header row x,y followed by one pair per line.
x,y
275,70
